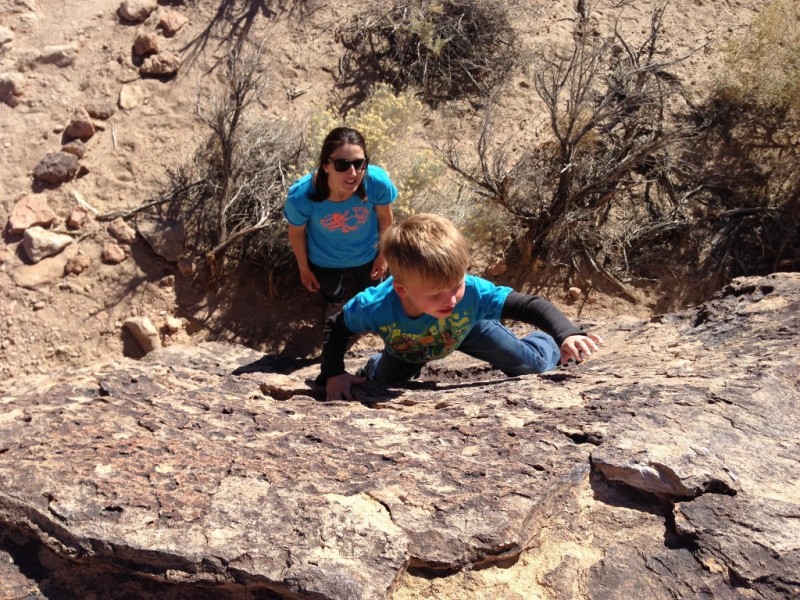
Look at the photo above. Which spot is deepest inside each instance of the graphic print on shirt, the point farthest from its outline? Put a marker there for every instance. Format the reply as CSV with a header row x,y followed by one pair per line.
x,y
439,340
347,221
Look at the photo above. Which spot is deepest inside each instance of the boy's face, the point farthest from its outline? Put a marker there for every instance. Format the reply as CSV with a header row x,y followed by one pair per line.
x,y
420,297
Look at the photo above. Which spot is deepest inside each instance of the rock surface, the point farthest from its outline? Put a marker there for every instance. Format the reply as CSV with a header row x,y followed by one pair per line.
x,y
670,463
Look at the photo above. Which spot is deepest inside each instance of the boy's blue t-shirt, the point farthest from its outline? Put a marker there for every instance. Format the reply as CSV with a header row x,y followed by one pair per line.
x,y
340,234
379,310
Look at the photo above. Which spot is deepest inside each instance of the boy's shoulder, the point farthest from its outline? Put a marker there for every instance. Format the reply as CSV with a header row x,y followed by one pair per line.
x,y
370,307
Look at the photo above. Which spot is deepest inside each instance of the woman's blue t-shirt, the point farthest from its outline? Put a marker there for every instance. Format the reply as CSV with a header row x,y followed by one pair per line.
x,y
418,340
343,234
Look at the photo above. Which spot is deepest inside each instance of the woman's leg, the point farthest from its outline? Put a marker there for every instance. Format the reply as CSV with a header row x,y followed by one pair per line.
x,y
330,283
362,277
497,345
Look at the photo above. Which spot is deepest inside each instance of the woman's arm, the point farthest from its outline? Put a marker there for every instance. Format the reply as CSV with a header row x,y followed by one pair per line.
x,y
297,240
385,220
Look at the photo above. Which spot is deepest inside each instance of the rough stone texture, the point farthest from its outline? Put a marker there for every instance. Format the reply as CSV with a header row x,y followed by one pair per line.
x,y
166,238
62,56
100,109
76,147
77,217
112,253
136,11
131,96
12,86
30,210
146,42
40,243
77,264
56,167
160,65
170,21
145,332
121,231
178,470
80,125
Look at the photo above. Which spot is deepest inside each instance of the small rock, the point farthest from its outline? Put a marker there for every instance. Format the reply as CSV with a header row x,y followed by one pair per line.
x,y
56,167
173,324
159,65
170,21
146,42
12,86
166,238
80,126
113,254
575,292
75,147
100,109
131,96
136,11
121,231
30,210
77,217
40,243
77,264
144,332
61,56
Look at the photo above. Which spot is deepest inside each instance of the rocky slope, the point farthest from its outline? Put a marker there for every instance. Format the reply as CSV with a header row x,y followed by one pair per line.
x,y
665,467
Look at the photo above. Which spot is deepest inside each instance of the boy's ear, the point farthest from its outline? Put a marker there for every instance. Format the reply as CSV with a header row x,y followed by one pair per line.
x,y
400,289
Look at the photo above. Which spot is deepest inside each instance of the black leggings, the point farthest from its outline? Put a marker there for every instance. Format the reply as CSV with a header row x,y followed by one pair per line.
x,y
331,284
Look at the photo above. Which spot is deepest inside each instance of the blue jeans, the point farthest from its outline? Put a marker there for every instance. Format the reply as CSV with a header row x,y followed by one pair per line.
x,y
487,340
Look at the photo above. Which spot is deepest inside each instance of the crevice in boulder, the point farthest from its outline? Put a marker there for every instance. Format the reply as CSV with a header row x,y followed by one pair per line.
x,y
58,578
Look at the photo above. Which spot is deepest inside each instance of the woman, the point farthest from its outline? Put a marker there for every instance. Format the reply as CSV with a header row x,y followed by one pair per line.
x,y
336,215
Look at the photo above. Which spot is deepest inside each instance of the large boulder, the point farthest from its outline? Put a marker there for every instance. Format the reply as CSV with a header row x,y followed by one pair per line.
x,y
664,467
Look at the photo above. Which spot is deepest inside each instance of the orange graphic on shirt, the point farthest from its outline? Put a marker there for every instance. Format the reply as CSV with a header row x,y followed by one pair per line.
x,y
346,221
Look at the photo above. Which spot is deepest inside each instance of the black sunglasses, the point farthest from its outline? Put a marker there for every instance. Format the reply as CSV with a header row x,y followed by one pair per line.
x,y
343,164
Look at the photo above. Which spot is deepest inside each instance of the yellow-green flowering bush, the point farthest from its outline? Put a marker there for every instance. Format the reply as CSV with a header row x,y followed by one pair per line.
x,y
764,64
386,120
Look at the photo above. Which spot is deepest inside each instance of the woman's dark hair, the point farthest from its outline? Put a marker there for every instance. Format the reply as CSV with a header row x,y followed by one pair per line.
x,y
335,139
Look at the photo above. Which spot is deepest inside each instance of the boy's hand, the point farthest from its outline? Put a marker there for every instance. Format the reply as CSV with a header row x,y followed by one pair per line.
x,y
580,347
338,386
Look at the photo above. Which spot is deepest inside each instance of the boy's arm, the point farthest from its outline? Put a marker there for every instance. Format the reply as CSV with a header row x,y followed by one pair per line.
x,y
334,345
332,374
535,310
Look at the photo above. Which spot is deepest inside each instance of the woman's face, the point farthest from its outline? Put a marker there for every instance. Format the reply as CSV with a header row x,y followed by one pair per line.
x,y
344,184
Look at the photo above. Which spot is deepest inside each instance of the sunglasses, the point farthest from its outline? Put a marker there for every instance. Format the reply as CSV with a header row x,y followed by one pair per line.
x,y
342,164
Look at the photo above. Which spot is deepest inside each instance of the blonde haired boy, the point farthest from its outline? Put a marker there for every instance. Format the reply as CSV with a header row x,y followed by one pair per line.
x,y
431,307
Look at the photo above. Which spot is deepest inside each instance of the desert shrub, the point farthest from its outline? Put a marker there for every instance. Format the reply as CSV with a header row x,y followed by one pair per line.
x,y
748,169
763,65
230,195
606,183
447,48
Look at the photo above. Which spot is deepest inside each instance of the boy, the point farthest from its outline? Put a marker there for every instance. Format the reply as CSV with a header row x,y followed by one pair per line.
x,y
431,307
